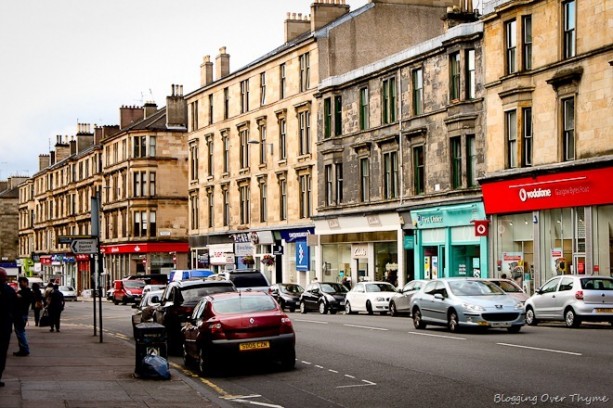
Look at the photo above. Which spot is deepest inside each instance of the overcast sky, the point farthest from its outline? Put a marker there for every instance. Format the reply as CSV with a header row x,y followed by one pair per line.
x,y
65,62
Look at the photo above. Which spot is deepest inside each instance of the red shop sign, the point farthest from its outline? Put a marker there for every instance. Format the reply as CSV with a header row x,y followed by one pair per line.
x,y
566,189
145,248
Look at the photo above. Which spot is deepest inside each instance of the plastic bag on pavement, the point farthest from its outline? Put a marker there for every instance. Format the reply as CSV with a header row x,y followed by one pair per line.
x,y
155,367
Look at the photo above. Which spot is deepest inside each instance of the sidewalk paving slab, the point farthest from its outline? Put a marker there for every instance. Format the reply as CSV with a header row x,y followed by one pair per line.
x,y
73,369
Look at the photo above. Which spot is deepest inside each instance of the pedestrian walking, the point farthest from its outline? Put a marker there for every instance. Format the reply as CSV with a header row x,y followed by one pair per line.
x,y
20,318
38,302
47,293
56,306
8,299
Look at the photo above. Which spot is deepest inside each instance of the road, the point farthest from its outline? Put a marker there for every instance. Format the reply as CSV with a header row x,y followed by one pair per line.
x,y
380,361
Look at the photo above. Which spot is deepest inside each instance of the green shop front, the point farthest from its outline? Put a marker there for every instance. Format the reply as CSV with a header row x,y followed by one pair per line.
x,y
450,241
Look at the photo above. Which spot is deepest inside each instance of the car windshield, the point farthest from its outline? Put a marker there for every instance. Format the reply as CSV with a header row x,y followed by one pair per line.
x,y
243,304
597,283
508,287
474,288
193,295
248,280
380,287
133,284
291,289
333,288
67,288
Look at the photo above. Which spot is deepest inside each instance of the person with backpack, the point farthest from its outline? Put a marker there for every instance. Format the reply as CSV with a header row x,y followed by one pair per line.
x,y
55,307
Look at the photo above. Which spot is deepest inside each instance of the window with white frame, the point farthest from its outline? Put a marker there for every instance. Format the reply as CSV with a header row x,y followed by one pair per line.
x,y
305,196
245,204
304,119
305,72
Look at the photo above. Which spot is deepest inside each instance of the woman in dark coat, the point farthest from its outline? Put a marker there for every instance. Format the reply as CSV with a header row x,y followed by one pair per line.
x,y
56,306
38,302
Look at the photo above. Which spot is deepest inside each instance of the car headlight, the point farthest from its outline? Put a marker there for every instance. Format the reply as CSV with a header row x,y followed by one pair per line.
x,y
128,292
473,308
380,299
519,305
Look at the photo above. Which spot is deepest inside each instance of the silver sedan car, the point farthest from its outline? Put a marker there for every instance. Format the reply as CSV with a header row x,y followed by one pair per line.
x,y
462,302
572,299
401,302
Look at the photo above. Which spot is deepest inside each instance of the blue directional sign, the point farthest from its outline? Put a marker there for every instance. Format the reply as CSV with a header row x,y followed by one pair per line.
x,y
302,256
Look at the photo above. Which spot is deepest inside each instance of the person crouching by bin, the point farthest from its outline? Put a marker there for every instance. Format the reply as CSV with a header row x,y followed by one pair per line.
x,y
55,307
20,319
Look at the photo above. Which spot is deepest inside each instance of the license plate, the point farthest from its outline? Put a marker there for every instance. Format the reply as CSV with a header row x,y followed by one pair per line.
x,y
254,345
603,310
500,324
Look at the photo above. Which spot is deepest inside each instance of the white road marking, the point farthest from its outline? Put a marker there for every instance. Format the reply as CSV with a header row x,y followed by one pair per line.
x,y
369,382
438,335
309,321
365,327
306,362
333,371
263,404
318,366
349,376
572,353
233,397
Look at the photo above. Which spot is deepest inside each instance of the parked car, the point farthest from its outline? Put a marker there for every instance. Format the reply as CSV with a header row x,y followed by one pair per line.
x,y
183,274
150,288
237,326
462,302
109,294
287,295
146,307
247,279
370,297
401,302
70,294
572,299
323,296
177,304
511,287
128,291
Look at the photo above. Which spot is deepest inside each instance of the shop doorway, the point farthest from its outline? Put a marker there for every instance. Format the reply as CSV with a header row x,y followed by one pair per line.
x,y
434,261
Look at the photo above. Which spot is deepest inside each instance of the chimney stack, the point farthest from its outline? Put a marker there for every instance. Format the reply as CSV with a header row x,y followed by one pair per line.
x,y
295,25
176,108
222,63
62,149
44,161
102,132
326,11
85,137
150,108
206,71
129,115
460,14
73,146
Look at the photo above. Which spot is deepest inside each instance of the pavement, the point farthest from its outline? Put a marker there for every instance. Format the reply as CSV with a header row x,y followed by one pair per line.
x,y
73,369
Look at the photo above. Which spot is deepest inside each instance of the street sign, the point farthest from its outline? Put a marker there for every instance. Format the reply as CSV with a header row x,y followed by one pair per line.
x,y
84,246
67,239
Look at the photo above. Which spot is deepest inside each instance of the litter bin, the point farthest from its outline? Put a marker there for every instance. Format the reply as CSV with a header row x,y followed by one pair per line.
x,y
150,340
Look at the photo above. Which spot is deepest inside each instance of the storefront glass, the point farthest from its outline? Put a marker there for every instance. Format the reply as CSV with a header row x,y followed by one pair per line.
x,y
515,247
336,261
603,241
386,262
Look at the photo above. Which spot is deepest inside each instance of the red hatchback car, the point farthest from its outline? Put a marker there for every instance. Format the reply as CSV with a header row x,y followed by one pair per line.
x,y
230,327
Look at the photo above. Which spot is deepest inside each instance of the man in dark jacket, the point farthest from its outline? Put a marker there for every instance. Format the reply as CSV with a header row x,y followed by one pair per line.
x,y
56,305
24,301
8,298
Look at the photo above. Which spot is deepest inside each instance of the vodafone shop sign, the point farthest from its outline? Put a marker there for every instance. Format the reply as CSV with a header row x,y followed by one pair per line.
x,y
566,189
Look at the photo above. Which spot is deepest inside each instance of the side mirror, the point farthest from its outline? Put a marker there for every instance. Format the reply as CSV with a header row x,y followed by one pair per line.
x,y
316,291
275,291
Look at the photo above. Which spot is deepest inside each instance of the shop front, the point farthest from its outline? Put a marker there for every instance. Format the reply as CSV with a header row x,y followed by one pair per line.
x,y
552,223
144,258
361,247
449,241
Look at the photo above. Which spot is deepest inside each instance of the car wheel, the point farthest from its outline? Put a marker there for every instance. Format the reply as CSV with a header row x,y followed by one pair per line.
x,y
115,301
418,323
323,308
205,364
571,318
288,360
452,321
369,307
303,309
124,301
393,311
514,329
530,319
292,309
348,308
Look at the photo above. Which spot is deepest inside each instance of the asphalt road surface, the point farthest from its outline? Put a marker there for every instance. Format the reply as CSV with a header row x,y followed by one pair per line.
x,y
380,361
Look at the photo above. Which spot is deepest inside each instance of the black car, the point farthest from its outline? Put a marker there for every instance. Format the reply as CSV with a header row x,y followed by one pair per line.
x,y
287,295
323,296
247,279
177,304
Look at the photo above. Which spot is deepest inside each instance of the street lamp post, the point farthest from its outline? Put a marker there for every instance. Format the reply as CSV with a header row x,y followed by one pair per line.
x,y
95,221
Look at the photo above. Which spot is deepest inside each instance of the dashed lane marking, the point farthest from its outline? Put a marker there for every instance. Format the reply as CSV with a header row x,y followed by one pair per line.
x,y
365,327
572,353
438,335
309,321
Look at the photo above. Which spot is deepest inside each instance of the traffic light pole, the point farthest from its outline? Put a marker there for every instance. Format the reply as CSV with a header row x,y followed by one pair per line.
x,y
95,221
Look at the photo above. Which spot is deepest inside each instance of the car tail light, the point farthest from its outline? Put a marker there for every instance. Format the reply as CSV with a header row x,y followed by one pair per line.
x,y
216,330
579,294
286,325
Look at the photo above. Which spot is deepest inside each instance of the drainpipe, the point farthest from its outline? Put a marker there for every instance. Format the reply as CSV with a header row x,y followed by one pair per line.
x,y
400,234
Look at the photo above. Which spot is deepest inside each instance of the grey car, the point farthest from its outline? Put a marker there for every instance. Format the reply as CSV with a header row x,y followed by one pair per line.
x,y
572,299
401,303
461,302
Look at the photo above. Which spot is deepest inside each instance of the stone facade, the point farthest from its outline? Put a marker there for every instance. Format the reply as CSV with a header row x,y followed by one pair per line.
x,y
9,216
